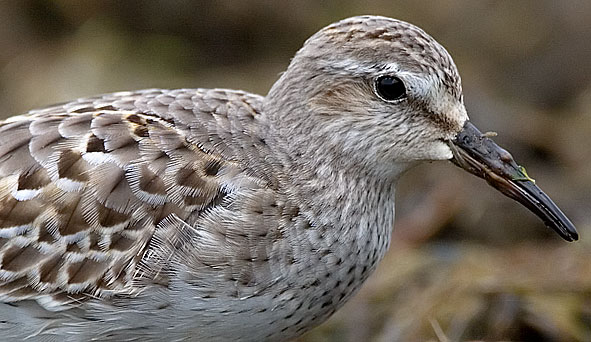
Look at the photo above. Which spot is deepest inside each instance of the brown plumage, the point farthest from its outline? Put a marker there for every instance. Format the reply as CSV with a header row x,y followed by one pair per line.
x,y
198,214
85,184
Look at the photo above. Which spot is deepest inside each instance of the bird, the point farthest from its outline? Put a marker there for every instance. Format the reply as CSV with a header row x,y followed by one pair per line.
x,y
221,215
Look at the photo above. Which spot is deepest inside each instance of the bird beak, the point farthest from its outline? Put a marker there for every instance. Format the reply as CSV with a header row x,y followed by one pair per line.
x,y
479,155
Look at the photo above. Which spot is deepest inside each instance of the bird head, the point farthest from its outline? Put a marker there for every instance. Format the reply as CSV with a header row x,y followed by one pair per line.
x,y
381,94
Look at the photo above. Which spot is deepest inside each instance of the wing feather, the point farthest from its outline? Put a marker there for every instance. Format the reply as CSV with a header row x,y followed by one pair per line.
x,y
84,186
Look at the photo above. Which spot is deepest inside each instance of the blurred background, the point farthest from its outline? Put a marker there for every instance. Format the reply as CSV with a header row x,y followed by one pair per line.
x,y
466,263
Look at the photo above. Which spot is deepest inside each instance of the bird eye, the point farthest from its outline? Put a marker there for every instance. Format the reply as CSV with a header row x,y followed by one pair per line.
x,y
390,88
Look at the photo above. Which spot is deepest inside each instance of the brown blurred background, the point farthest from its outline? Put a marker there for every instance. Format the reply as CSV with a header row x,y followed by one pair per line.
x,y
466,263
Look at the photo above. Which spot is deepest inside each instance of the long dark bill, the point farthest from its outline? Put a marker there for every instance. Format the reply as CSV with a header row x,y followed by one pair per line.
x,y
481,156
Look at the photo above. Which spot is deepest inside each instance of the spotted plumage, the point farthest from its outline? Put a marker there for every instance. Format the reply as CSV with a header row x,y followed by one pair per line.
x,y
219,215
84,184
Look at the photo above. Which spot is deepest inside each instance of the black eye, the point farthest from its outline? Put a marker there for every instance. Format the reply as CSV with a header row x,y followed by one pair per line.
x,y
390,88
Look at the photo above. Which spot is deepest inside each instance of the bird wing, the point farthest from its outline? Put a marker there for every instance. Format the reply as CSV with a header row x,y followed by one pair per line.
x,y
85,185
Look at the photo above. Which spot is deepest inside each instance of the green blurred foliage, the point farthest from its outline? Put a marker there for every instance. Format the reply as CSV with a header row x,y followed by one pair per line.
x,y
466,263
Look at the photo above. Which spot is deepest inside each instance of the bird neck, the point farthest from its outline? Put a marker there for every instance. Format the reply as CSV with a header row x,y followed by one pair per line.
x,y
345,188
333,187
